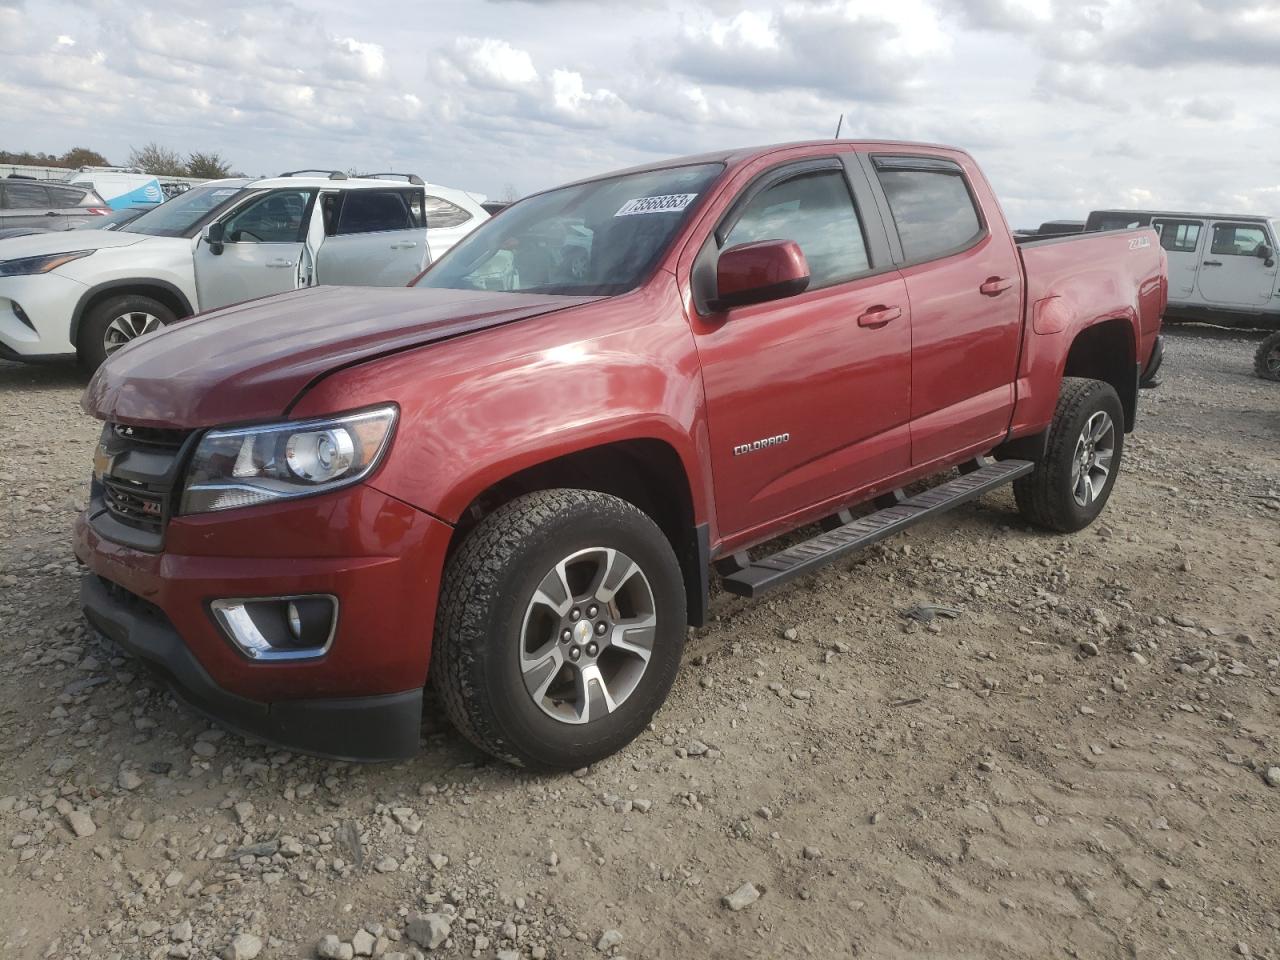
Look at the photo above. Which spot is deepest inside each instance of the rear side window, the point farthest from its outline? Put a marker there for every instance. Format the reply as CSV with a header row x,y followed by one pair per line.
x,y
18,196
65,196
1178,236
1237,240
817,212
370,211
931,206
442,213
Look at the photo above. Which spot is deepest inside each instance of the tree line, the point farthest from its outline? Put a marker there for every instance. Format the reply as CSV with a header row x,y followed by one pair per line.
x,y
151,158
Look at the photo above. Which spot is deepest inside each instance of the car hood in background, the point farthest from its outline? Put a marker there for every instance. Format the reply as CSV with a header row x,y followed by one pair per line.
x,y
251,361
65,241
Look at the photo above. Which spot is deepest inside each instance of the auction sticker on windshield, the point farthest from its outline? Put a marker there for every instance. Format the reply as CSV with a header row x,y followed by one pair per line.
x,y
672,202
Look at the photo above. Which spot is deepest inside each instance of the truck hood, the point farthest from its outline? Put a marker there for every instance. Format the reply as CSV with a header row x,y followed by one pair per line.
x,y
65,241
251,361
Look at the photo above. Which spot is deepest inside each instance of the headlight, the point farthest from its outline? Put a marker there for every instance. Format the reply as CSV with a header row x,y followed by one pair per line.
x,y
238,468
29,265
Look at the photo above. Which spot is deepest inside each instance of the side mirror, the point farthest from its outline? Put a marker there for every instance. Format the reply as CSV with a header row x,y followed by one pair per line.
x,y
1266,253
215,236
758,272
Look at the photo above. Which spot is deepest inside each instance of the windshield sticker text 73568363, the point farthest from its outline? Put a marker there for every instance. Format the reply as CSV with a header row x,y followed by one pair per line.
x,y
671,203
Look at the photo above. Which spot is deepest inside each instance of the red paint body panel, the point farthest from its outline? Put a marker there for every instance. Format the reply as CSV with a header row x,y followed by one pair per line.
x,y
489,384
382,558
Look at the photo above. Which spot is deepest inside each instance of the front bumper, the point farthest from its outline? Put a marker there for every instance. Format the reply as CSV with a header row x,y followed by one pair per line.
x,y
349,728
362,698
35,316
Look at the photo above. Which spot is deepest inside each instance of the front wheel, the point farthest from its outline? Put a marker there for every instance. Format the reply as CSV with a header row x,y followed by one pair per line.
x,y
1266,362
109,325
560,629
1074,477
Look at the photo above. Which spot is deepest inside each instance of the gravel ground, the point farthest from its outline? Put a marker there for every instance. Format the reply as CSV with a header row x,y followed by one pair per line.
x,y
1076,765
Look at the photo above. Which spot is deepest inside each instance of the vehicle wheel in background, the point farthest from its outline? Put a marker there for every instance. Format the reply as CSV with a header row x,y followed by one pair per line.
x,y
109,325
1073,479
560,629
1266,362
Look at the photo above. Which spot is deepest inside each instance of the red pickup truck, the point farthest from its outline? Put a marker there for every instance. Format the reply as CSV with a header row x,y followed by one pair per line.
x,y
515,476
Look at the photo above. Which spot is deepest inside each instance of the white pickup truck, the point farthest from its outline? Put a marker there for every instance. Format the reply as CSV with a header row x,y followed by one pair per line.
x,y
86,293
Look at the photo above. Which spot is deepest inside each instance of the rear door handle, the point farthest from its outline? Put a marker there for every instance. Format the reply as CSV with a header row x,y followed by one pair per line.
x,y
280,262
1213,263
994,286
879,316
404,245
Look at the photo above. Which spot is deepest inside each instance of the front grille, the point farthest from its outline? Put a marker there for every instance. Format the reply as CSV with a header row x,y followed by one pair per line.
x,y
138,484
134,504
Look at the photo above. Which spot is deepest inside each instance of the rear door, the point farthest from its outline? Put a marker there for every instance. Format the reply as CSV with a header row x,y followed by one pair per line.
x,y
71,206
1181,239
964,281
807,397
1231,273
263,253
373,238
25,203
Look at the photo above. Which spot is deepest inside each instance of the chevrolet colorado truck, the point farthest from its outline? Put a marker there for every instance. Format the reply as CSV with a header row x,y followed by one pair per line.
x,y
514,477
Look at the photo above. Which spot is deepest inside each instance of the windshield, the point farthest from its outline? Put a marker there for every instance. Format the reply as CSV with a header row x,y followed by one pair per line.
x,y
594,239
177,217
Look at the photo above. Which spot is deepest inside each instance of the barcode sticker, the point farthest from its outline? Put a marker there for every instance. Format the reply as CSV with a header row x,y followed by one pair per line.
x,y
672,202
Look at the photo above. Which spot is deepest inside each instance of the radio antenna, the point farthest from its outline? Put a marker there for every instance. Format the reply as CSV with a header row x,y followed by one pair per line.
x,y
839,124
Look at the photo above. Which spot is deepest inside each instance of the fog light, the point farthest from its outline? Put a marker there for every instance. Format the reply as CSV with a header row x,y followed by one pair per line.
x,y
279,628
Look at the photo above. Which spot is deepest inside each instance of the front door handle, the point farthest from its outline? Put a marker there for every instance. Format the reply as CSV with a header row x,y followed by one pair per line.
x,y
1213,263
878,316
404,245
280,262
994,286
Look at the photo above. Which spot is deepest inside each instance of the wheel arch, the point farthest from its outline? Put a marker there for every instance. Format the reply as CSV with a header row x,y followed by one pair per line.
x,y
647,472
1106,350
162,290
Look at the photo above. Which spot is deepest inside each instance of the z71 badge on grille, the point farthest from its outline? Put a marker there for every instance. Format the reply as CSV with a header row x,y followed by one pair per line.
x,y
755,445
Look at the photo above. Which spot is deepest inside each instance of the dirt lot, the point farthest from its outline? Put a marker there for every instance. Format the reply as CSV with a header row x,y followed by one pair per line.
x,y
1075,766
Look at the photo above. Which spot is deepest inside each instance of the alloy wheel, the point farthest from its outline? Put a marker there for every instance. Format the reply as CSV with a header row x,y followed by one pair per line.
x,y
587,635
1091,465
126,327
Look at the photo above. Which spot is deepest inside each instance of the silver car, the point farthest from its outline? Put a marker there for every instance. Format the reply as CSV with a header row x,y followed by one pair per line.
x,y
1223,268
26,202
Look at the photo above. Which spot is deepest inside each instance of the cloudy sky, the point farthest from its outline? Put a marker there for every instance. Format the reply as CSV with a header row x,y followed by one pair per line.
x,y
1069,104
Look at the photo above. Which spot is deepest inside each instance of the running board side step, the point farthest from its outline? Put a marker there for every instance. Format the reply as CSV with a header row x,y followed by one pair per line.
x,y
977,477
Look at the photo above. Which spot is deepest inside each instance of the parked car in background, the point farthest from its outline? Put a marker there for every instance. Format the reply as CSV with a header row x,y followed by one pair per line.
x,y
304,507
109,221
85,294
47,204
121,187
1222,267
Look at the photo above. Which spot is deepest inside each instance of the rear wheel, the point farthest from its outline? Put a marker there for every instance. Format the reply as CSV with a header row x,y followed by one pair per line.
x,y
1073,479
1266,362
561,625
116,321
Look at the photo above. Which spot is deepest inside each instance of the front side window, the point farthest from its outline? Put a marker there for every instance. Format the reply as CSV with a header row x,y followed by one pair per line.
x,y
276,217
1237,240
816,211
373,211
599,238
1178,236
932,208
442,213
20,196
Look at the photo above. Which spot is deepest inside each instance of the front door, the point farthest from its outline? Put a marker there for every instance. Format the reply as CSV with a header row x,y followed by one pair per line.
x,y
1181,242
1231,273
965,285
807,397
264,250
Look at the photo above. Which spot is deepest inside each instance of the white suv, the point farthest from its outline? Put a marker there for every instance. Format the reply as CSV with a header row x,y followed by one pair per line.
x,y
87,293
